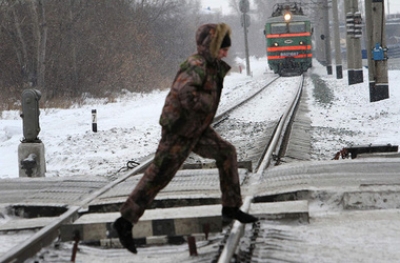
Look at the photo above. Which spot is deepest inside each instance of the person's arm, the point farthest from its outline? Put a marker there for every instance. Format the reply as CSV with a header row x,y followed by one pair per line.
x,y
193,94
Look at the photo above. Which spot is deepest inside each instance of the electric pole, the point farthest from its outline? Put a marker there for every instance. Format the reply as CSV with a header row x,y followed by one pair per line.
x,y
377,58
244,7
320,46
327,39
338,51
353,41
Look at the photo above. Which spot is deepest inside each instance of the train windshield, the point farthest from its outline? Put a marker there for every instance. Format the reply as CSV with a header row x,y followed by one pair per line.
x,y
297,27
293,27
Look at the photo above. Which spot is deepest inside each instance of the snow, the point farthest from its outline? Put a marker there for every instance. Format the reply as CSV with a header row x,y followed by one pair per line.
x,y
357,236
128,129
352,119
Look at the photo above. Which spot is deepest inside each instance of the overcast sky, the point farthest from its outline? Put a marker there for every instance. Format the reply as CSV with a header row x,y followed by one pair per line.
x,y
393,5
217,5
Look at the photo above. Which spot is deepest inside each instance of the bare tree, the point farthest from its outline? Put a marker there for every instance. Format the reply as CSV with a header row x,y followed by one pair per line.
x,y
75,48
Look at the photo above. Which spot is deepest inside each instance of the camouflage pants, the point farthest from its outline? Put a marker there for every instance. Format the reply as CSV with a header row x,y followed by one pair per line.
x,y
171,153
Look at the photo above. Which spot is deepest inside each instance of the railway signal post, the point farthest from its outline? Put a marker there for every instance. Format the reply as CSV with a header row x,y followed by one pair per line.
x,y
376,49
31,157
244,7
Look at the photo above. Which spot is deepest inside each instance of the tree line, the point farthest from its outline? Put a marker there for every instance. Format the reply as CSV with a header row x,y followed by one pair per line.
x,y
72,49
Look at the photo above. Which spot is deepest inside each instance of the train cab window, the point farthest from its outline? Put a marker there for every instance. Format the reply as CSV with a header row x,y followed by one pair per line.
x,y
297,27
293,27
278,28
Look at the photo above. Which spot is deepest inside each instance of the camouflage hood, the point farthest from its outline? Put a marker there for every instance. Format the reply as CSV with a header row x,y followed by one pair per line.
x,y
209,39
193,100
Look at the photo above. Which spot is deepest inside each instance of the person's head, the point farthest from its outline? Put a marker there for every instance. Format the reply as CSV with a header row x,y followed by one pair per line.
x,y
213,40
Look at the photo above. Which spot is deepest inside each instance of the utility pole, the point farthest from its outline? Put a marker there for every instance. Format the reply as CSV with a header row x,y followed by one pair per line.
x,y
244,7
377,58
320,47
338,51
327,39
353,42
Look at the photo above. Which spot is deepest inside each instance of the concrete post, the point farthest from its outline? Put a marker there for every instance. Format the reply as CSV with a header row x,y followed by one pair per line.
x,y
353,42
376,34
244,7
327,39
338,51
31,160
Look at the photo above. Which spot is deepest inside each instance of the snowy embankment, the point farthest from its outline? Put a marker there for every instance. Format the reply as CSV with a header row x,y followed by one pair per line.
x,y
128,127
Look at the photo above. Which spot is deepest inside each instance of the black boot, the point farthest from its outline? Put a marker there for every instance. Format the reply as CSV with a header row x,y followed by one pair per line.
x,y
124,230
231,213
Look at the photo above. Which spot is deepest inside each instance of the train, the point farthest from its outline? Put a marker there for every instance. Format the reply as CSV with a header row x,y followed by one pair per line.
x,y
288,35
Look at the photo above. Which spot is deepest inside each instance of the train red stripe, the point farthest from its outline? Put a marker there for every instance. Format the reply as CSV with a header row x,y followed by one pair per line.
x,y
283,57
288,48
303,34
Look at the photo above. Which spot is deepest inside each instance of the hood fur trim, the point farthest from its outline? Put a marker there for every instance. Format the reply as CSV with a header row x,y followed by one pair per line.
x,y
220,31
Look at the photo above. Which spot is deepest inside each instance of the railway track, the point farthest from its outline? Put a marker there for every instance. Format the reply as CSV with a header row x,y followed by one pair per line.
x,y
274,146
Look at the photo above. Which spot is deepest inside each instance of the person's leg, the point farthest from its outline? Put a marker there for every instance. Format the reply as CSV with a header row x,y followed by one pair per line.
x,y
211,145
171,153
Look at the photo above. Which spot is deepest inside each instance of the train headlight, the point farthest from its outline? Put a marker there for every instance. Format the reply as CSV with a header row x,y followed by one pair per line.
x,y
287,17
301,43
276,44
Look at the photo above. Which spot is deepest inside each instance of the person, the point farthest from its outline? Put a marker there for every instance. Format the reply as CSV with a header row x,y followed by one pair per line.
x,y
188,112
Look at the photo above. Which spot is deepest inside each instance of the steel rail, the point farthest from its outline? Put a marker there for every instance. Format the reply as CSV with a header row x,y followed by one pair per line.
x,y
238,228
235,235
280,131
284,136
45,236
224,114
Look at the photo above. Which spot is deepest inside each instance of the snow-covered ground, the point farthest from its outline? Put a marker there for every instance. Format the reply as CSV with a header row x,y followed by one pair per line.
x,y
128,130
128,127
350,118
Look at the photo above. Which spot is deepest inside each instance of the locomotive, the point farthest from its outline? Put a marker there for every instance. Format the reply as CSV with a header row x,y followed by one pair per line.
x,y
288,37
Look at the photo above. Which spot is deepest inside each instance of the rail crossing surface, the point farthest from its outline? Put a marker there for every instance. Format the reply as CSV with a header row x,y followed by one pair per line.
x,y
362,184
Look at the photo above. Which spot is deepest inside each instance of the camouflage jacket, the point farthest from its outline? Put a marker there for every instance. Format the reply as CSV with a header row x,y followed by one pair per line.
x,y
193,99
